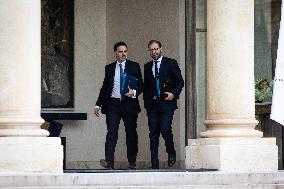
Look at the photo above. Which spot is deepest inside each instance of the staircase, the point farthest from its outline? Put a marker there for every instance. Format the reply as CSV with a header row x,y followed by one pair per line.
x,y
142,179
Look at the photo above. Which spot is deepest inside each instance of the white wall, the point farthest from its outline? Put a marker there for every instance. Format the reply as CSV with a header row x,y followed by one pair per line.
x,y
137,22
85,138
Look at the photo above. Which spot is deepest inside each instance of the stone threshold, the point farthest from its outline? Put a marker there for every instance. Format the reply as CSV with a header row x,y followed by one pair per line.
x,y
135,171
121,165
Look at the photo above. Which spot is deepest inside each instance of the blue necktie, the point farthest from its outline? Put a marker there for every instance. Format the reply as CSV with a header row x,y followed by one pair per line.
x,y
121,79
157,79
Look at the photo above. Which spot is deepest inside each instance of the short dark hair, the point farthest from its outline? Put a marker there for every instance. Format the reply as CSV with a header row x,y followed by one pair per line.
x,y
154,41
118,44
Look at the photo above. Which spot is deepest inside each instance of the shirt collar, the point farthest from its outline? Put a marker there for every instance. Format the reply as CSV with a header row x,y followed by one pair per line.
x,y
159,60
123,63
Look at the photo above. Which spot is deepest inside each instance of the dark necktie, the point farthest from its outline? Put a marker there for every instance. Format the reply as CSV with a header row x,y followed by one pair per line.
x,y
156,69
121,79
157,90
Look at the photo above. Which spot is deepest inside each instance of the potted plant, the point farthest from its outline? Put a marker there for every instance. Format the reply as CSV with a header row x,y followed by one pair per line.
x,y
263,90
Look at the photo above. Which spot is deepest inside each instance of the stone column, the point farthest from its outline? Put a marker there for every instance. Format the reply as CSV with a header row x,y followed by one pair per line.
x,y
24,143
231,143
230,69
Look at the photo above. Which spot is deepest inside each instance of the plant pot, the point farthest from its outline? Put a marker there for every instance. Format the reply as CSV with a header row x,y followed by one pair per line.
x,y
259,101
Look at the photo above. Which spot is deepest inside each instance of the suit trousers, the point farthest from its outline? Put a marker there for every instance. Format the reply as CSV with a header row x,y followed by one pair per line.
x,y
160,122
117,111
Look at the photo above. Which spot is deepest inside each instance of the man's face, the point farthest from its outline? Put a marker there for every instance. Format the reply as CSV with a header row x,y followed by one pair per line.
x,y
121,53
155,51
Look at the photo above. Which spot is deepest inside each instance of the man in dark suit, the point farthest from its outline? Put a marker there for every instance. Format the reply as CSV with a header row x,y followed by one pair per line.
x,y
163,84
113,102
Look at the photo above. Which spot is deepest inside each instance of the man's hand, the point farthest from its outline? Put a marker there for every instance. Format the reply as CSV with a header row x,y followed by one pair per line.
x,y
130,93
145,111
97,111
170,96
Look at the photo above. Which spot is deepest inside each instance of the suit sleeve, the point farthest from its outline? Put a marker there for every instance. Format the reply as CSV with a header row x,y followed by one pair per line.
x,y
145,84
179,80
103,90
140,81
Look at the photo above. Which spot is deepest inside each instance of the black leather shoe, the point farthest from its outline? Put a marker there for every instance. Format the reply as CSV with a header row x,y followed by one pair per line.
x,y
107,164
171,159
132,166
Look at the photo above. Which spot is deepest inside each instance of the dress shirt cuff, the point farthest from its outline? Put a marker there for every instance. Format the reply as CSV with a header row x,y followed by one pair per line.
x,y
97,107
134,95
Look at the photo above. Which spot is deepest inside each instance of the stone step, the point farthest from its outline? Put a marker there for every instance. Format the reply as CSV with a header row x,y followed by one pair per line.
x,y
145,180
164,187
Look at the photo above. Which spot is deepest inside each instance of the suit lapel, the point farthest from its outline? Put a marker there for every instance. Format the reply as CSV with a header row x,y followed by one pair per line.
x,y
150,72
112,71
127,69
162,67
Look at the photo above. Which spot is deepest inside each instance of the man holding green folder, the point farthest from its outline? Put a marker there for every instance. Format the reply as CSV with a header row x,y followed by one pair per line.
x,y
163,84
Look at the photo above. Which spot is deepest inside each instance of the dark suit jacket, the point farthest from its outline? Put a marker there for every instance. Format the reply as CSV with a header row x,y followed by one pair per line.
x,y
132,104
169,69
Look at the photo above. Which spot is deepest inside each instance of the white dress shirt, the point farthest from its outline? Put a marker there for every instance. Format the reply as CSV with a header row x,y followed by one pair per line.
x,y
158,65
116,81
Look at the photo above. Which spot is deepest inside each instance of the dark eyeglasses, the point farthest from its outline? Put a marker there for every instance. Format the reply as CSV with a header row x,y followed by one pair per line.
x,y
154,49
